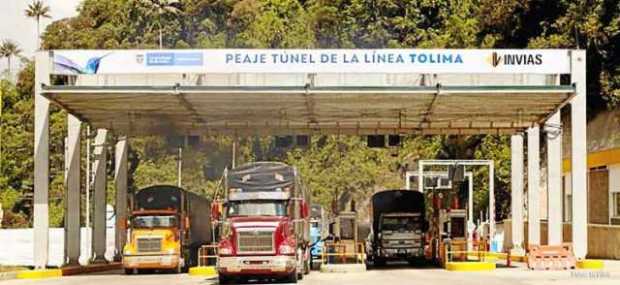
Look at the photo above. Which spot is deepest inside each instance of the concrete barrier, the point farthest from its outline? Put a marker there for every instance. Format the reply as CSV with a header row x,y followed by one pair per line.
x,y
208,271
39,274
470,266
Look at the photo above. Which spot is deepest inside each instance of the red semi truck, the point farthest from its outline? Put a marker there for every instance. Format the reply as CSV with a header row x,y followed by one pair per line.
x,y
265,229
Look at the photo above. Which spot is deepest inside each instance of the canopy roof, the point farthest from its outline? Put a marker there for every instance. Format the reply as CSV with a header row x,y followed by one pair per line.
x,y
265,110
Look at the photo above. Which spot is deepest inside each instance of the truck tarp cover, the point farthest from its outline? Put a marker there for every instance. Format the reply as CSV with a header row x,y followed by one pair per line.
x,y
158,197
261,176
395,201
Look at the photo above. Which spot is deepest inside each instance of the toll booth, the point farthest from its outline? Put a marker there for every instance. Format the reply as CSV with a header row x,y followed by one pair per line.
x,y
347,245
198,92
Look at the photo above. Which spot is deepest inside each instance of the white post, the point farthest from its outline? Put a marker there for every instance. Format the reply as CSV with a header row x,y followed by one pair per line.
x,y
99,201
421,176
120,181
516,193
41,161
579,166
554,178
73,193
179,166
491,200
533,183
470,210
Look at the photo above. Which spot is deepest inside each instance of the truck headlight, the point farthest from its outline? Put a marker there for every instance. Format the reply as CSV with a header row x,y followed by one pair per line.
x,y
127,251
225,251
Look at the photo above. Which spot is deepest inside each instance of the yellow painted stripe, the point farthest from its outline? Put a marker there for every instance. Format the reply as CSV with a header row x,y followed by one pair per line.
x,y
203,271
39,274
470,266
590,264
597,159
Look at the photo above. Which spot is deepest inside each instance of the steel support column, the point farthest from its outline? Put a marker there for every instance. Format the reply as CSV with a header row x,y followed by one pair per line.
x,y
72,184
41,161
99,201
491,200
554,178
579,155
120,181
516,182
533,183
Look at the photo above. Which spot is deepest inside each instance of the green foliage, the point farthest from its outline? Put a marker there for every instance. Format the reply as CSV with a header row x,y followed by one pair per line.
x,y
336,168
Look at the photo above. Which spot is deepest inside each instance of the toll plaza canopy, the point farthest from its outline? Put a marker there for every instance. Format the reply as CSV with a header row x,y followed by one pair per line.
x,y
337,91
247,92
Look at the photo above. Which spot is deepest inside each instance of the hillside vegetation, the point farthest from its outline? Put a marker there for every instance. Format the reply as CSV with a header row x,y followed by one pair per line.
x,y
336,168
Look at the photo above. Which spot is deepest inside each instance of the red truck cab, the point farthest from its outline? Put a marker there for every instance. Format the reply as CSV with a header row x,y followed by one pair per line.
x,y
264,229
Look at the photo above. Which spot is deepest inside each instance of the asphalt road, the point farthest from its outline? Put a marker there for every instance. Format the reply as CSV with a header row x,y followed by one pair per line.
x,y
387,276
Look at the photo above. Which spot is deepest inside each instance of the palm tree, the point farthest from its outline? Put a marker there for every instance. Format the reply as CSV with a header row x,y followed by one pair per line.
x,y
9,49
163,7
36,10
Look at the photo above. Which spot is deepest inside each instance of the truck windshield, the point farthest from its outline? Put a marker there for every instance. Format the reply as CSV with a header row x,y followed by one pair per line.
x,y
400,223
154,221
257,208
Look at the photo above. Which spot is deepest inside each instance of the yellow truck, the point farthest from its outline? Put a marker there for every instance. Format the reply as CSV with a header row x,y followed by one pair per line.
x,y
167,226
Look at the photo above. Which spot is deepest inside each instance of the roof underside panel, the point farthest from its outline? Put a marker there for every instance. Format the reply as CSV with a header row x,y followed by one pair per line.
x,y
299,110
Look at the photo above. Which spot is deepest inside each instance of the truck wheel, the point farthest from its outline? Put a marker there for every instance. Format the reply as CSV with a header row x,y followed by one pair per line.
x,y
293,277
223,279
129,271
379,262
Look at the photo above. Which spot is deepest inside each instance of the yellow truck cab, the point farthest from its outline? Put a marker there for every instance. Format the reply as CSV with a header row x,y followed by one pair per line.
x,y
166,228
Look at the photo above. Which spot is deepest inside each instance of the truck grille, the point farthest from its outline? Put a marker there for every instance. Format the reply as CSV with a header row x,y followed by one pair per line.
x,y
260,241
149,244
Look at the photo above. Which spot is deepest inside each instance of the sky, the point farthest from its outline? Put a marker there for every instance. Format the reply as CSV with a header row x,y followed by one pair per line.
x,y
14,24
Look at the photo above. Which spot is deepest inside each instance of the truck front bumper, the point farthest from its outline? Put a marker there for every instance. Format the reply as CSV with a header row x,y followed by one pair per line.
x,y
401,252
256,265
155,261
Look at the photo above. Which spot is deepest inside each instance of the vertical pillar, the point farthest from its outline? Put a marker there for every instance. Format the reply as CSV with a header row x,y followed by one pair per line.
x,y
533,183
470,210
554,178
491,200
420,176
120,181
579,155
99,201
72,184
516,182
41,161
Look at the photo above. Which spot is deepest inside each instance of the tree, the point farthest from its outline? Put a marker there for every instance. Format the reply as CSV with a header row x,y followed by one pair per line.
x,y
161,8
9,49
36,10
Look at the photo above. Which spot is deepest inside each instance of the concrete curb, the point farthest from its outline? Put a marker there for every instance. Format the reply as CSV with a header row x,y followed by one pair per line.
x,y
208,271
470,266
8,275
39,274
91,268
590,264
342,268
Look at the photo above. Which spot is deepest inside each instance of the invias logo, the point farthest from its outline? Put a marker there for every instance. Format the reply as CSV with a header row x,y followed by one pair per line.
x,y
498,59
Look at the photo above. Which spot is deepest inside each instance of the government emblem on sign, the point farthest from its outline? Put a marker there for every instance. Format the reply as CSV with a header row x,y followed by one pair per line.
x,y
140,58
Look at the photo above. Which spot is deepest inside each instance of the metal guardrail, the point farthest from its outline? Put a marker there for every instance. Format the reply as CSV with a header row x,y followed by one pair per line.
x,y
339,252
207,253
